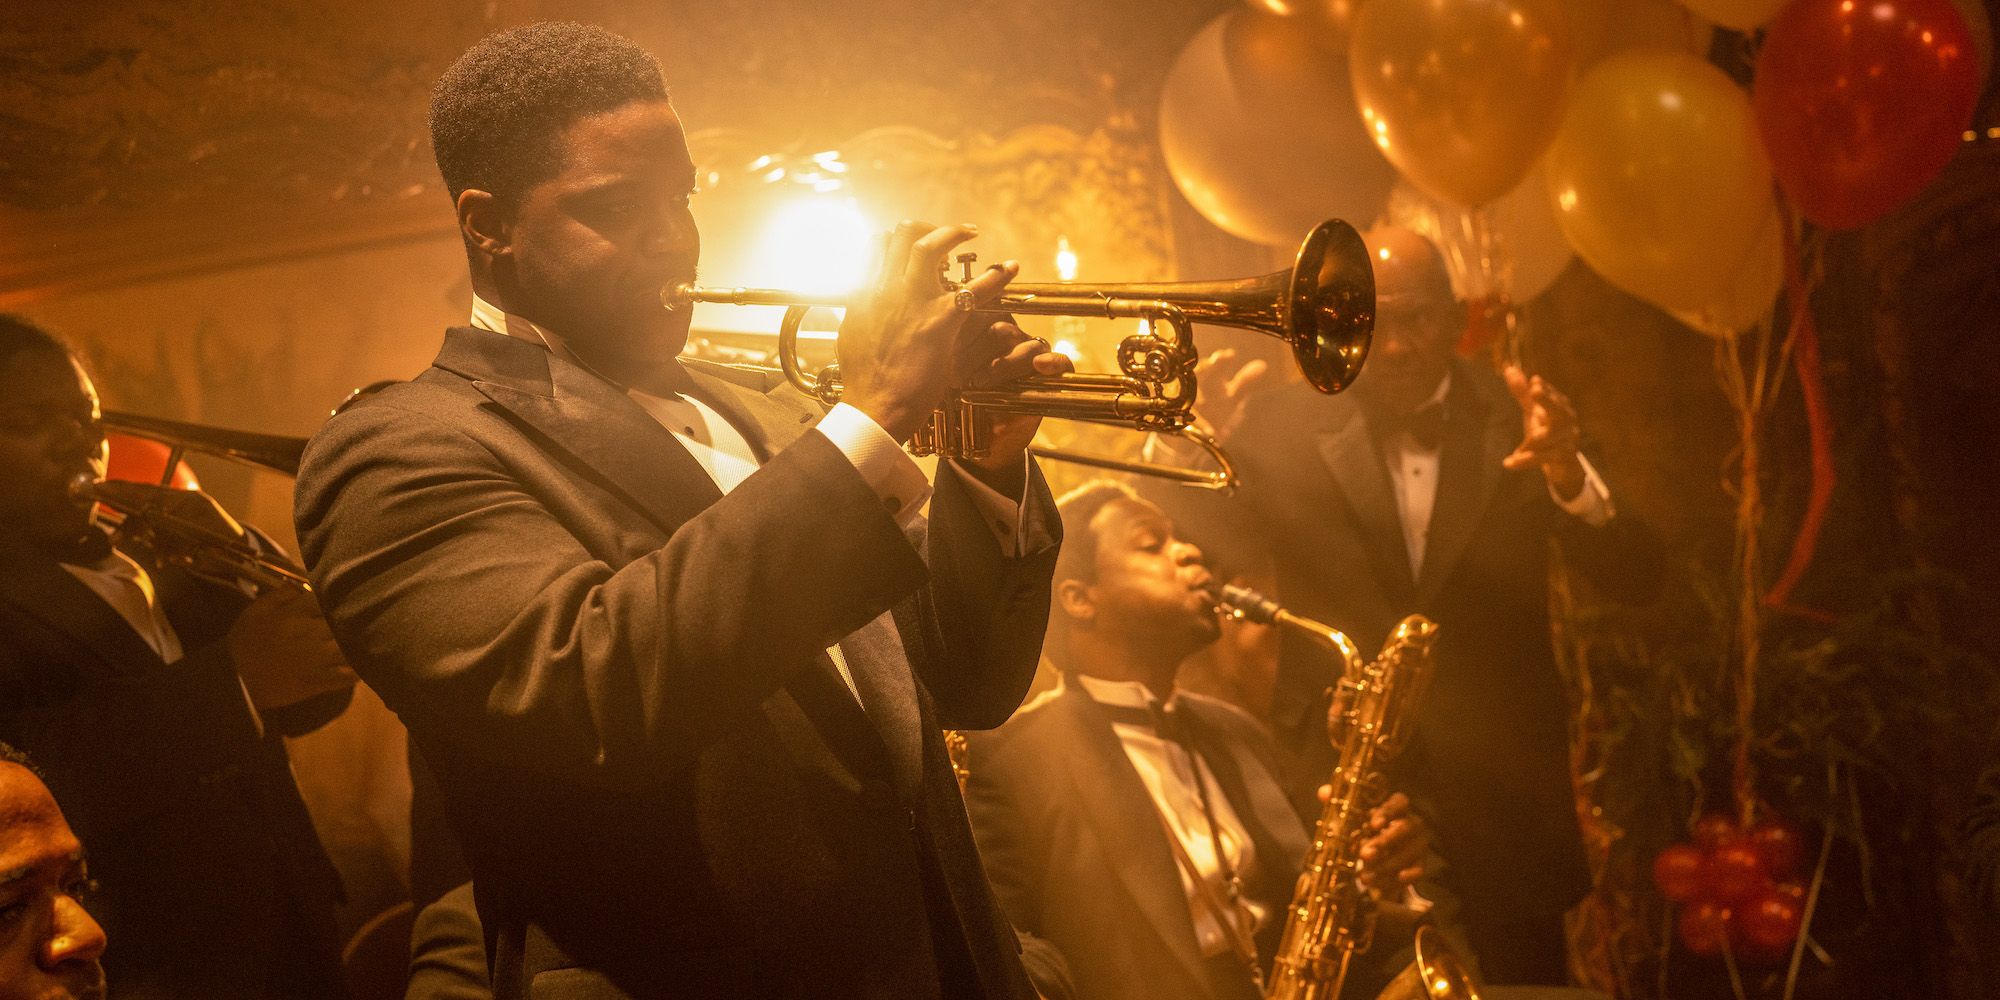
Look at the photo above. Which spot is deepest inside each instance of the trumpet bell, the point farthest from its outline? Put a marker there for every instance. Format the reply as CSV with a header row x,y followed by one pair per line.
x,y
1330,317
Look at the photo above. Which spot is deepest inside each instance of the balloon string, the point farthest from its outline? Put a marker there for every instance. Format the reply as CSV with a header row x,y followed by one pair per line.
x,y
1819,427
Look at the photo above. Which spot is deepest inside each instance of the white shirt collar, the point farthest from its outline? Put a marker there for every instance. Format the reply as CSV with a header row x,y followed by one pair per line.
x,y
1127,694
487,316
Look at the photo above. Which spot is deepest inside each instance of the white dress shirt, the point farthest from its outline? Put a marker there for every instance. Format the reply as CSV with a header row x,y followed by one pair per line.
x,y
125,586
725,454
1169,773
1413,471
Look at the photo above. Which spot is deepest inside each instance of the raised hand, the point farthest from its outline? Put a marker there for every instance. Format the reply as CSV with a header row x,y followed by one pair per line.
x,y
1224,383
1549,432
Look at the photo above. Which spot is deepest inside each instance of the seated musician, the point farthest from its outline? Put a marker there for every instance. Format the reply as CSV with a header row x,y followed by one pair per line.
x,y
49,945
155,703
1138,829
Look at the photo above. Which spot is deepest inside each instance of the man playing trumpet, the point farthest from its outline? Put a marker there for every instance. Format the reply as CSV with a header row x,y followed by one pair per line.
x,y
678,644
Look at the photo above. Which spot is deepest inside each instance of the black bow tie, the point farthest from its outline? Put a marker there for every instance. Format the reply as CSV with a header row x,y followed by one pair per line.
x,y
1425,425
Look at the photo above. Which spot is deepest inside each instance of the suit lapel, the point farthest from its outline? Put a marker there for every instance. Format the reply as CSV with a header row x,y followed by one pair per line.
x,y
1117,804
1478,434
1351,456
616,441
1274,828
620,445
43,590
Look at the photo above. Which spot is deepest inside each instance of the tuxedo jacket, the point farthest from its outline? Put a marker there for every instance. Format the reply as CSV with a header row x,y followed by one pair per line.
x,y
1078,856
658,777
1490,760
212,881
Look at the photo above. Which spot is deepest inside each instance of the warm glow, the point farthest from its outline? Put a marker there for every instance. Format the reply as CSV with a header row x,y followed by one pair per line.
x,y
814,244
1065,260
1067,348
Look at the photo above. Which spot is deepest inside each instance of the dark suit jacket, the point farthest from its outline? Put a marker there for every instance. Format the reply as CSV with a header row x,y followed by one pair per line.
x,y
660,781
1490,761
213,881
1078,858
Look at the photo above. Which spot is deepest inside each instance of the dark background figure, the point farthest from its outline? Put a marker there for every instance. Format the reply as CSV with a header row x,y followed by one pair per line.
x,y
1434,486
672,640
1078,800
49,945
154,702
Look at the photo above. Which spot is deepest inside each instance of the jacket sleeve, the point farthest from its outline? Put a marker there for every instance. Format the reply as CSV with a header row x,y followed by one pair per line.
x,y
1622,558
465,601
985,613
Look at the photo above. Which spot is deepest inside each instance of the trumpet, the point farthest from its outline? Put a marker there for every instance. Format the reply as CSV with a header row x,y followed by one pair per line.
x,y
187,528
1323,307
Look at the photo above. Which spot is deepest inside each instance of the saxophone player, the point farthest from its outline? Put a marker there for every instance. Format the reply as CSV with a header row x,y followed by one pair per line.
x,y
1138,829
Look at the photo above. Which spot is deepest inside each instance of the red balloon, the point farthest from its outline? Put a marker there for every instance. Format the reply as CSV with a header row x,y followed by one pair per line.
x,y
1677,871
1766,926
1779,844
1733,873
1714,830
1704,927
1862,102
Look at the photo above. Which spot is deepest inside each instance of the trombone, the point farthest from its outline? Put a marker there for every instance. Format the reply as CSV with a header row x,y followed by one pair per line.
x,y
188,528
1323,306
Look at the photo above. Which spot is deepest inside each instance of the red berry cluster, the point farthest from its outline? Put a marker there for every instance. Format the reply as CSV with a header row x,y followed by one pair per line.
x,y
1736,888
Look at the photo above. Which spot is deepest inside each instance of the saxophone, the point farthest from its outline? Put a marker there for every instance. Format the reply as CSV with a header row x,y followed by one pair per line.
x,y
1332,917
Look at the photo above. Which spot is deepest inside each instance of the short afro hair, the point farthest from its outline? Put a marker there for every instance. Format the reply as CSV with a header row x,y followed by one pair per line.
x,y
19,334
498,113
1077,559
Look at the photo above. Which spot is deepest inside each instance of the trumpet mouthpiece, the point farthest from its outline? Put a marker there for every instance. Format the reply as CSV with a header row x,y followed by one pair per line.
x,y
677,296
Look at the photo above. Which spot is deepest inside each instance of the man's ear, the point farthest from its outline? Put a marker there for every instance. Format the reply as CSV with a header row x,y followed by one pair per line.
x,y
486,226
1074,598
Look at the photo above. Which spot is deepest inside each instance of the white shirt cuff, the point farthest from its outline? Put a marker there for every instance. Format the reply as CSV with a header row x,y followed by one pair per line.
x,y
1592,504
1000,512
883,464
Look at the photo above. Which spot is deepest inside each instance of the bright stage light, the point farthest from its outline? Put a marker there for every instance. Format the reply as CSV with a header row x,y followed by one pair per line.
x,y
814,244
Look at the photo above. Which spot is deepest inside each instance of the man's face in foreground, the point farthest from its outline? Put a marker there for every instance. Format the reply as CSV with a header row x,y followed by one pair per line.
x,y
590,249
49,947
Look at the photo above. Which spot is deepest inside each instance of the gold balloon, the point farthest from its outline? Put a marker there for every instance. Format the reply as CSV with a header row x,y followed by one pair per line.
x,y
1658,177
1523,246
1753,286
1259,132
1742,15
1462,95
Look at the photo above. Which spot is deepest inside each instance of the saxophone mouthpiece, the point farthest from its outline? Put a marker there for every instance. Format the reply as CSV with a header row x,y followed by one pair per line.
x,y
1245,603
